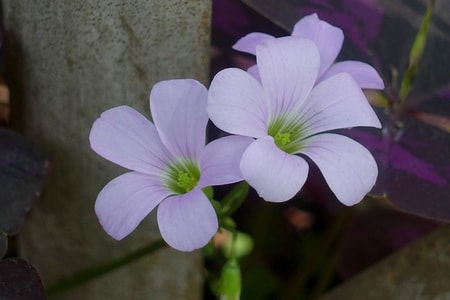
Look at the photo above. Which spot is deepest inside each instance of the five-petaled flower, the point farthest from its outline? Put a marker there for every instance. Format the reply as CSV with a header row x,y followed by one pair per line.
x,y
329,40
170,165
289,112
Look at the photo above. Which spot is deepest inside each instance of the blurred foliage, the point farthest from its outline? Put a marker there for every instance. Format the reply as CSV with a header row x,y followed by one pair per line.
x,y
306,246
405,41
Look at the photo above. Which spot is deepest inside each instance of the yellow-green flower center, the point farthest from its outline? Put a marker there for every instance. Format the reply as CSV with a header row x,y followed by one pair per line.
x,y
287,133
282,139
182,176
186,181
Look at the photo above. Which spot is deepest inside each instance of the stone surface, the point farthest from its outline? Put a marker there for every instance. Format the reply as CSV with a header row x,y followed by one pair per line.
x,y
67,62
420,271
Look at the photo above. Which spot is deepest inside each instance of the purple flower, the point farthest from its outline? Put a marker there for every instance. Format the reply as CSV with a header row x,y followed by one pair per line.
x,y
328,40
170,165
288,113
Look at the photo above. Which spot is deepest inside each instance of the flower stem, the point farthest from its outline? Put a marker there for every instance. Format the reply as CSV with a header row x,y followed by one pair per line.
x,y
100,270
299,280
416,53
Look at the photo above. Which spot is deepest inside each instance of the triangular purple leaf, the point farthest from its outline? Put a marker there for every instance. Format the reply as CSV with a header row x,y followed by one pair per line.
x,y
19,280
414,159
23,169
3,244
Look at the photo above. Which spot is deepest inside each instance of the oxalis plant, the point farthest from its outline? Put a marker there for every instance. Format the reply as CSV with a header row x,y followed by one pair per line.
x,y
276,117
275,114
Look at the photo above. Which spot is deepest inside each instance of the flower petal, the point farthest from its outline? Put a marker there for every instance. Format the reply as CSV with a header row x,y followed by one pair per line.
x,y
288,68
253,70
125,137
327,38
348,167
337,102
236,103
274,174
187,222
364,74
249,42
179,111
220,160
126,200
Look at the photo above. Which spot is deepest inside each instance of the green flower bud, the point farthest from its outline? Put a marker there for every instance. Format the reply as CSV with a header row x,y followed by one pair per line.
x,y
243,245
230,281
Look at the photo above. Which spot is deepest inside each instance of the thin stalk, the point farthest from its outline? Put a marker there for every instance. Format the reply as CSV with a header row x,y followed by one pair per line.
x,y
416,53
100,270
299,280
326,277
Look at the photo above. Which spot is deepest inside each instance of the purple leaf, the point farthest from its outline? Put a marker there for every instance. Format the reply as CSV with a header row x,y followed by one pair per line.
x,y
414,169
414,160
377,232
3,244
23,169
19,280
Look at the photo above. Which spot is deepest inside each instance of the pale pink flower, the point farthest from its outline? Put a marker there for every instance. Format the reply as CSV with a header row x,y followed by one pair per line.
x,y
329,40
170,165
289,112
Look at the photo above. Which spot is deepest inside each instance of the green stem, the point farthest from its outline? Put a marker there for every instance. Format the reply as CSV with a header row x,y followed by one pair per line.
x,y
87,275
326,276
416,53
299,280
233,244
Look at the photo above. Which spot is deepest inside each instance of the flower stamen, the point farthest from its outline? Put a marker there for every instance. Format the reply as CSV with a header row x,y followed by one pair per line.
x,y
186,181
182,176
287,133
282,139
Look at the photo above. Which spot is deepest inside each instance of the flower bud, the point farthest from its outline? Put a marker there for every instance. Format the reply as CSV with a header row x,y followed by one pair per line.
x,y
230,281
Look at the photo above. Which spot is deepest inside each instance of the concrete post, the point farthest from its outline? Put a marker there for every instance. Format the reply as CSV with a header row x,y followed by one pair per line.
x,y
67,62
421,270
